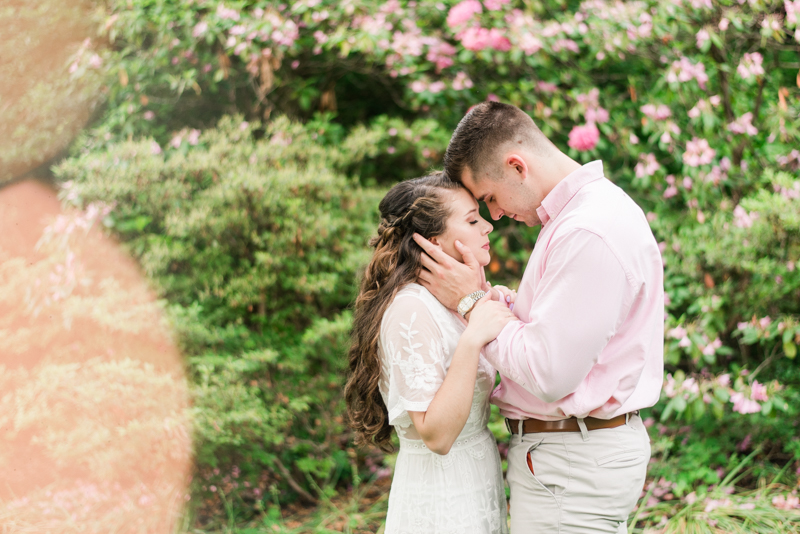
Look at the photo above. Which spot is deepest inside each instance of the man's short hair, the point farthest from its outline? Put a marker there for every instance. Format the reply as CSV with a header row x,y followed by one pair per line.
x,y
481,133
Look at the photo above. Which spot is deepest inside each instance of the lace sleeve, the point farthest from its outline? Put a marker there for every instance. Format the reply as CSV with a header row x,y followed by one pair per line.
x,y
413,351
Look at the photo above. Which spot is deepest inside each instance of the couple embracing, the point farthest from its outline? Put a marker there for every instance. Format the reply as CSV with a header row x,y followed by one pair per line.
x,y
579,348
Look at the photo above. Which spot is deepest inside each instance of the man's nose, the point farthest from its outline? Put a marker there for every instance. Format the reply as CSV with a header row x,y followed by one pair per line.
x,y
495,212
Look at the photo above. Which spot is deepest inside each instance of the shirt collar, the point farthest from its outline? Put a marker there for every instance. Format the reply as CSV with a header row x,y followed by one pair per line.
x,y
563,192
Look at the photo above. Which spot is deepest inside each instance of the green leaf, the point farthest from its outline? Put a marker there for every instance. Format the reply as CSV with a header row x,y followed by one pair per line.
x,y
790,349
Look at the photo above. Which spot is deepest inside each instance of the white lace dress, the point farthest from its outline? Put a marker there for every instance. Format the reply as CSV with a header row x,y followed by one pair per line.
x,y
461,492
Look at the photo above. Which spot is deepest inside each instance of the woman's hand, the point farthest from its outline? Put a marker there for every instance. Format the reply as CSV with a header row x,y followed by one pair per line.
x,y
502,294
487,319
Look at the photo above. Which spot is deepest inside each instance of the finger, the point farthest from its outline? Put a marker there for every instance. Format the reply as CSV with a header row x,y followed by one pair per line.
x,y
428,263
435,252
425,276
467,256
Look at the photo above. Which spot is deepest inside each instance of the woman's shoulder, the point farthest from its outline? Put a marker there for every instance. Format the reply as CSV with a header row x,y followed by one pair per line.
x,y
414,297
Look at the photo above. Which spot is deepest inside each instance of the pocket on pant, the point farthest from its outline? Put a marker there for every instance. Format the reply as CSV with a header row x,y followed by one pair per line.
x,y
619,459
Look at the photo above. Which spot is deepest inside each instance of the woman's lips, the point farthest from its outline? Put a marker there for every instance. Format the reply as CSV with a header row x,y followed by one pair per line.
x,y
486,246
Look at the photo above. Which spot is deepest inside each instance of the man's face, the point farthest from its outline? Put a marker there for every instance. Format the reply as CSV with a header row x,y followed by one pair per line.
x,y
510,195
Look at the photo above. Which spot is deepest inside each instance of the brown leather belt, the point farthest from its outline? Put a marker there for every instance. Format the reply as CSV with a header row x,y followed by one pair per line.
x,y
564,425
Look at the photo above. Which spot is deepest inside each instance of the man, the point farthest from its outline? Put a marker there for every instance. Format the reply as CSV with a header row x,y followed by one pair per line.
x,y
587,351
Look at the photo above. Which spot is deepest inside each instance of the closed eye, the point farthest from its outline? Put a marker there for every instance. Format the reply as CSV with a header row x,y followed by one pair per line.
x,y
474,222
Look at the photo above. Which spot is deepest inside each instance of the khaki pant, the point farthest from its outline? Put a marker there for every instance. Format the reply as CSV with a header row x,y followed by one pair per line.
x,y
581,482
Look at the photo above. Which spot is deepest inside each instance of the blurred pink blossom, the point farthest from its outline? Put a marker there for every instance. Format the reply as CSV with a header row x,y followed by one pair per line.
x,y
758,392
684,70
494,5
742,218
530,44
462,81
155,148
498,41
194,136
698,152
658,113
750,65
462,12
787,502
702,37
743,125
743,405
475,38
647,166
547,87
584,137
226,13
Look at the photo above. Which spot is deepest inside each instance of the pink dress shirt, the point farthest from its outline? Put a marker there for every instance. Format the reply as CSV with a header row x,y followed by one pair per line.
x,y
590,335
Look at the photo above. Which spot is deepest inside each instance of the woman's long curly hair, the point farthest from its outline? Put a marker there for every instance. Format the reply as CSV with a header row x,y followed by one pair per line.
x,y
419,205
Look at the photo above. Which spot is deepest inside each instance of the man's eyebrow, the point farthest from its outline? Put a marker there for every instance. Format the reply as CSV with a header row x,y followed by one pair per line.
x,y
483,198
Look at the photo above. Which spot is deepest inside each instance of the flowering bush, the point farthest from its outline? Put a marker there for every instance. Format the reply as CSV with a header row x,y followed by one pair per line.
x,y
692,106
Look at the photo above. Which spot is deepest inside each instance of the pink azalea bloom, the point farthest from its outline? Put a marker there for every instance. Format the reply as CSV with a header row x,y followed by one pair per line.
x,y
678,332
599,115
498,41
226,13
475,38
758,392
647,166
530,44
743,405
723,24
494,5
684,70
461,81
702,38
751,65
658,113
698,152
792,11
194,137
742,218
565,44
155,148
743,125
436,87
584,137
547,87
462,12
418,86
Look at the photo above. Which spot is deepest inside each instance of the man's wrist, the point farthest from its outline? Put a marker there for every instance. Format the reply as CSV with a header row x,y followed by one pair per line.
x,y
468,301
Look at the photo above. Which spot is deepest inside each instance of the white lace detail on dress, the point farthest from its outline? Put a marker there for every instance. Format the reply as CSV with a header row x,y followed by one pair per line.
x,y
460,492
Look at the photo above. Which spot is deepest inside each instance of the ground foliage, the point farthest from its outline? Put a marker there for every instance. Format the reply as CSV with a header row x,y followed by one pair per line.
x,y
253,226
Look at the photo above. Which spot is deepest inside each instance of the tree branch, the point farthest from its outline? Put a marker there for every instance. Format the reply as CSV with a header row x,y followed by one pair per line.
x,y
287,476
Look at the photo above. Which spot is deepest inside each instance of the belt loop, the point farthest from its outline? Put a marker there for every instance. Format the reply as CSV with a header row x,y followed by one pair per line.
x,y
508,425
584,430
519,426
627,417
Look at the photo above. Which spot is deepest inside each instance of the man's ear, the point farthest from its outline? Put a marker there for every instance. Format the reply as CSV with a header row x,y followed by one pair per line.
x,y
517,163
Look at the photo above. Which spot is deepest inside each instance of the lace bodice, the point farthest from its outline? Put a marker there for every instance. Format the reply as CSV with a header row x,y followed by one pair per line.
x,y
418,337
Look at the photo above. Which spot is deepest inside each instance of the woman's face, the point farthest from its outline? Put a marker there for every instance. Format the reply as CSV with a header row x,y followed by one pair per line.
x,y
467,226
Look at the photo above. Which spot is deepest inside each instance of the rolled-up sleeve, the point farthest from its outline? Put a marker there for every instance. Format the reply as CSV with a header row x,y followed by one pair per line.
x,y
582,298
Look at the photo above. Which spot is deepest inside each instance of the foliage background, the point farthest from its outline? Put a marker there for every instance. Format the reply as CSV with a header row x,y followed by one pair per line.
x,y
246,144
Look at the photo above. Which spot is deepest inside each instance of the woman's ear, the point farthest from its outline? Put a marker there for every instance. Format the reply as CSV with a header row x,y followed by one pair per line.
x,y
434,240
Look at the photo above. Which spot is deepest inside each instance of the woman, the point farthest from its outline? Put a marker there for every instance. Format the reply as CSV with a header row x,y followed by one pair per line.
x,y
417,366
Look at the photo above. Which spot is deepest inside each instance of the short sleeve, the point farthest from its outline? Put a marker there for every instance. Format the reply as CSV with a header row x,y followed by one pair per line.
x,y
413,355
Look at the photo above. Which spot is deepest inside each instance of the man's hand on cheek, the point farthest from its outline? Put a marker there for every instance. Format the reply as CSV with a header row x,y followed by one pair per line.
x,y
447,279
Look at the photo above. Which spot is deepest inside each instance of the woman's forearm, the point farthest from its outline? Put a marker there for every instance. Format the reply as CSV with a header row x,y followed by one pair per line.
x,y
447,413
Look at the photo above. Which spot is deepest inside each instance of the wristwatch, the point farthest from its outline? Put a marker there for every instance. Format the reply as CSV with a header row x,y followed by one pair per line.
x,y
466,304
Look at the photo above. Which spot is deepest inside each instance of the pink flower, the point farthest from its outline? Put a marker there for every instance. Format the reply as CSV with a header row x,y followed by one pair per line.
x,y
494,5
702,38
743,219
698,152
155,148
658,113
565,44
418,86
758,392
792,12
475,38
598,115
787,502
200,28
436,87
647,166
684,70
194,137
584,137
743,125
743,405
751,66
530,44
670,192
547,87
226,13
462,12
461,81
149,115
498,41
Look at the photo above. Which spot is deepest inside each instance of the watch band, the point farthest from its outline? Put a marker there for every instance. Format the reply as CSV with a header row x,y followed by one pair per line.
x,y
466,304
